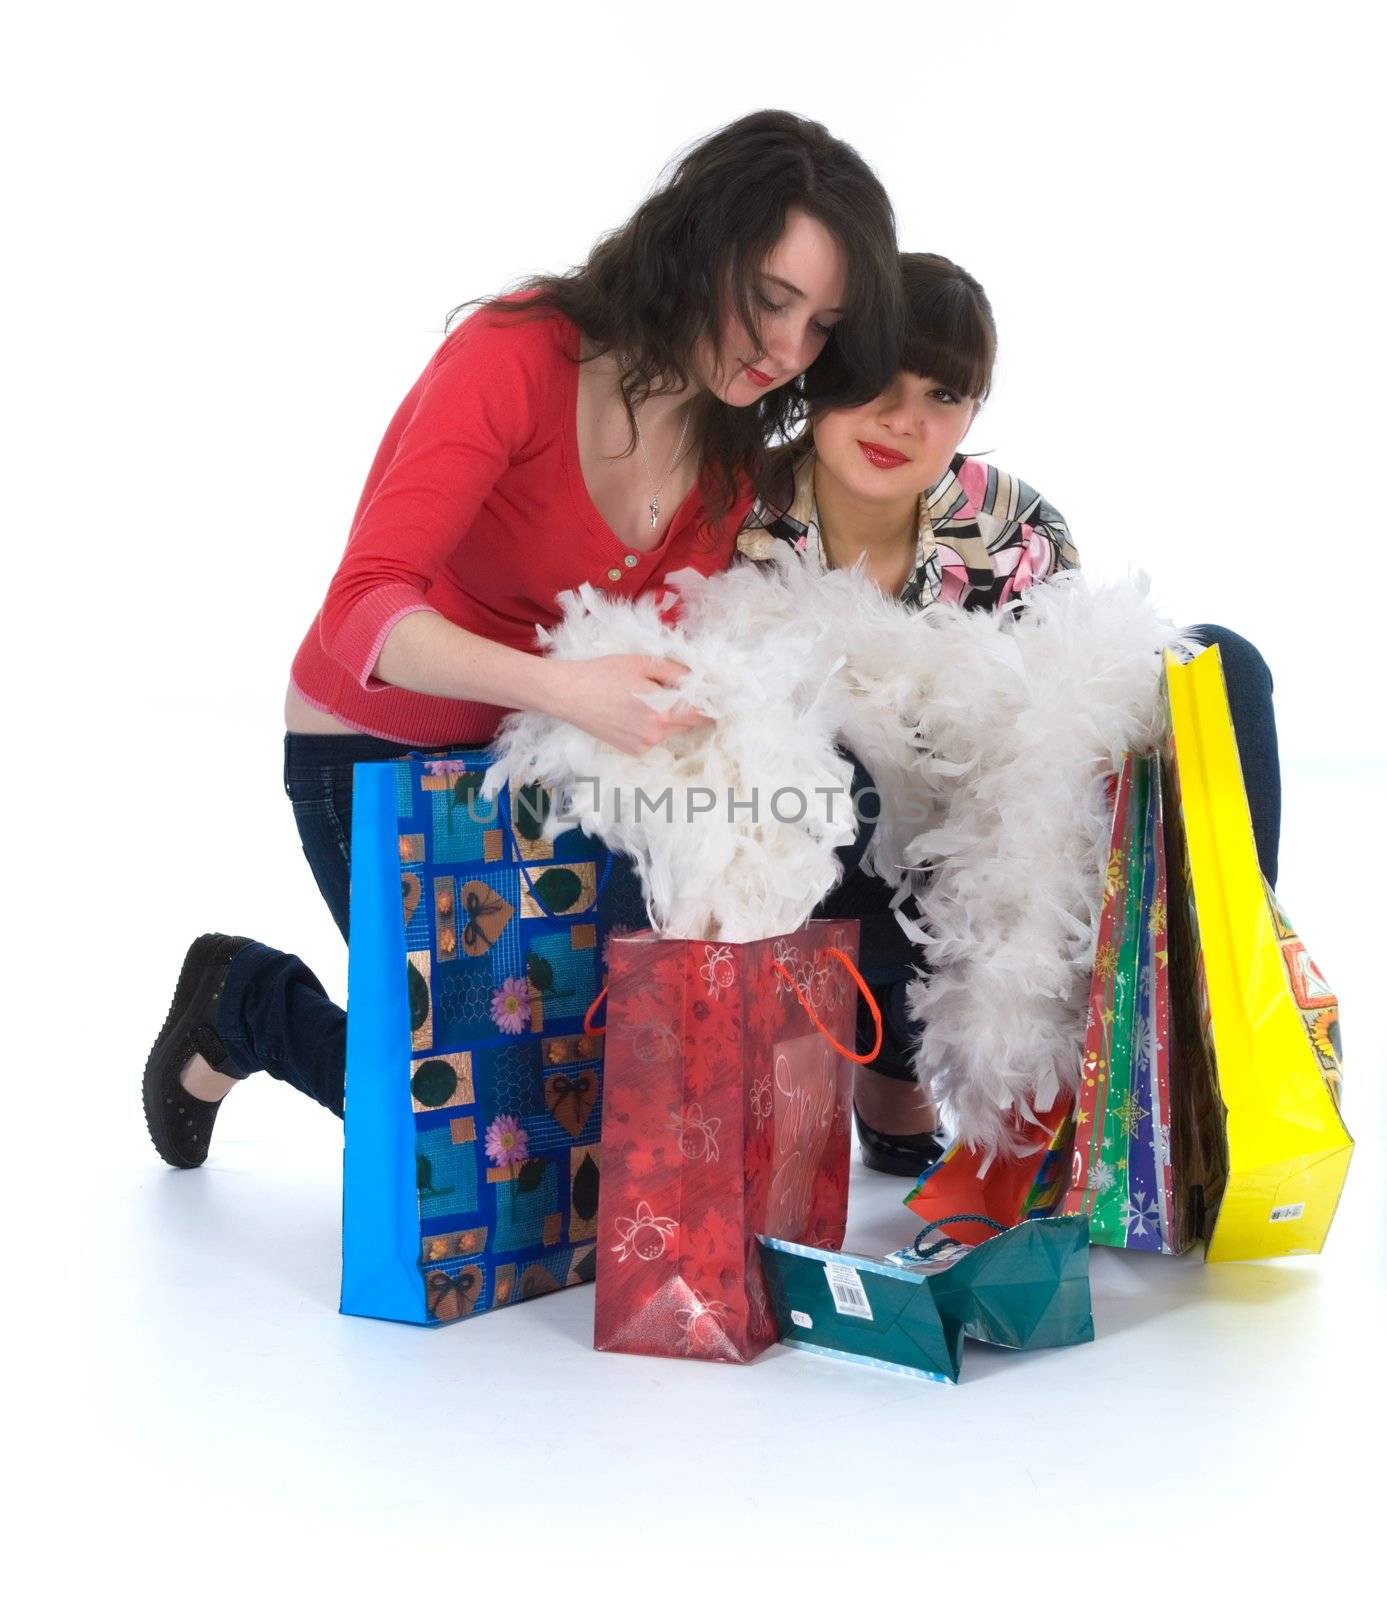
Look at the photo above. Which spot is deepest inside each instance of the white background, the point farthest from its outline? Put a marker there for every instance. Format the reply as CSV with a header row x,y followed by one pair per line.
x,y
234,233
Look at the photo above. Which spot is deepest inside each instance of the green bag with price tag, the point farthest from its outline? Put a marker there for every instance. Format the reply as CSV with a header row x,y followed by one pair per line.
x,y
1027,1289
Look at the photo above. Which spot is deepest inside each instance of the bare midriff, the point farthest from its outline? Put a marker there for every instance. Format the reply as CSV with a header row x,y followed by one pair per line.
x,y
300,717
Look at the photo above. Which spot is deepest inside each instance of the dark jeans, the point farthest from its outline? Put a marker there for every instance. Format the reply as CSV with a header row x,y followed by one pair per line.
x,y
275,1016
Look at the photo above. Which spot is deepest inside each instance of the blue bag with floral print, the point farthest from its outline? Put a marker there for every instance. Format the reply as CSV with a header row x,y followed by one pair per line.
x,y
473,1094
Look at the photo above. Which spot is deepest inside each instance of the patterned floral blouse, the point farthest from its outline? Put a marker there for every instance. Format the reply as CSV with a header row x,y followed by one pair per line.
x,y
984,536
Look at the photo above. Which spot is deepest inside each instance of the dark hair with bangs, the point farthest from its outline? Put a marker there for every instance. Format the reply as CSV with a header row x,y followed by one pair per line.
x,y
695,249
950,332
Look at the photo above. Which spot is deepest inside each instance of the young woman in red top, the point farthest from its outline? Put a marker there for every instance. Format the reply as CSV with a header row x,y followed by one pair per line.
x,y
606,427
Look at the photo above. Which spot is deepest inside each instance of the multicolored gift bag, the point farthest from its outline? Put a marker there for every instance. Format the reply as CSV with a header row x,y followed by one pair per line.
x,y
1262,1148
728,1100
1211,1074
965,1180
473,1094
1121,1170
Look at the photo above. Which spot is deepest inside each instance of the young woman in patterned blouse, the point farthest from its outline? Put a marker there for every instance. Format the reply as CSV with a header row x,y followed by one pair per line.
x,y
885,482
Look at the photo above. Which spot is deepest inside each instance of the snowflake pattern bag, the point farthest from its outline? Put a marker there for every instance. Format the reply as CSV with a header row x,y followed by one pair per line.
x,y
473,1095
1121,1172
728,1099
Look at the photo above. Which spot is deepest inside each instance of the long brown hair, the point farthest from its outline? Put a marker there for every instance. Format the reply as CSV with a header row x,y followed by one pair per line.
x,y
656,286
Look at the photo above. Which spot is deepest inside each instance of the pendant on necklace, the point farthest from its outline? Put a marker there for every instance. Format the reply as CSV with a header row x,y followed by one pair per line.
x,y
655,511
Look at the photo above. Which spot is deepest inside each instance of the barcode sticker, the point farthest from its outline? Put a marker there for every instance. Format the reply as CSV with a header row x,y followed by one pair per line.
x,y
801,1319
845,1285
1288,1213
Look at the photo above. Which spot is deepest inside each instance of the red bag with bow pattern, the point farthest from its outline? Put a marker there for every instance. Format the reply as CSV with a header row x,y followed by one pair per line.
x,y
728,1099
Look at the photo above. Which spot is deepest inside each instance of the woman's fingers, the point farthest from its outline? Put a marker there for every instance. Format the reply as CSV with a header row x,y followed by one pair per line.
x,y
612,707
669,674
636,741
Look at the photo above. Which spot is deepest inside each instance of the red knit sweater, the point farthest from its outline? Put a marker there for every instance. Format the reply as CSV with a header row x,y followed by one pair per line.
x,y
476,508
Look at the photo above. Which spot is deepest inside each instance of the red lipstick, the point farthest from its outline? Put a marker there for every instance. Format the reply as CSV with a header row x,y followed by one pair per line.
x,y
881,455
762,380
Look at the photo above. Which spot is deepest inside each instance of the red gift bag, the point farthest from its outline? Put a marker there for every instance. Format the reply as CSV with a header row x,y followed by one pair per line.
x,y
728,1098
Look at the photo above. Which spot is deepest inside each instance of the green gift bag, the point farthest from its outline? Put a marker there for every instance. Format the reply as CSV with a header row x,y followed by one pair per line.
x,y
1025,1289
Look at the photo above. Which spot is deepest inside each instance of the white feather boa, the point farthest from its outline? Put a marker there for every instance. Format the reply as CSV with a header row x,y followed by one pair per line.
x,y
771,677
1024,722
991,739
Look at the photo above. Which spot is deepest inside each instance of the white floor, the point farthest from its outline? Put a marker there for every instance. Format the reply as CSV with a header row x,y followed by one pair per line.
x,y
187,1374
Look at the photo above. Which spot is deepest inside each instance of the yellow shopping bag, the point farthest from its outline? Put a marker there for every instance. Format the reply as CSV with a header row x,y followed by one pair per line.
x,y
1258,1129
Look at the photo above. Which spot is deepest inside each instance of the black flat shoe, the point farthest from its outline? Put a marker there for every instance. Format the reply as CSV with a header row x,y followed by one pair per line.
x,y
179,1123
904,1155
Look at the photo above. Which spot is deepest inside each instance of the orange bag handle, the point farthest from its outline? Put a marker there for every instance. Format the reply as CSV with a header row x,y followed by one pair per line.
x,y
867,995
596,1033
588,1028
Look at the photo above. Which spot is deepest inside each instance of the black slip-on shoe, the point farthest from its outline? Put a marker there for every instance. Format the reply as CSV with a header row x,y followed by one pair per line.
x,y
905,1155
179,1123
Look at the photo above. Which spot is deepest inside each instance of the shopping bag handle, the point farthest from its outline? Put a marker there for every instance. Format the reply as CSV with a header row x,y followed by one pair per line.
x,y
651,954
943,1244
588,1028
502,799
857,978
503,812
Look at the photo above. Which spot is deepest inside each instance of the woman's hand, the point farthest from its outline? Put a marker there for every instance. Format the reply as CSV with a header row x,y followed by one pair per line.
x,y
427,653
600,697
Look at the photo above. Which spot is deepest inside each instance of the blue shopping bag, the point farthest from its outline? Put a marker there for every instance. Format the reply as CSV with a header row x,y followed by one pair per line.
x,y
473,1093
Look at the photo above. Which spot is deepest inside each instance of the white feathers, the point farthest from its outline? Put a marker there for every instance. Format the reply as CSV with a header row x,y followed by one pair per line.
x,y
1031,717
729,835
990,739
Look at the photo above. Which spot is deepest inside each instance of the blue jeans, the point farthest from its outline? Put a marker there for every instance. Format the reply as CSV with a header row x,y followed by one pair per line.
x,y
1250,686
274,1015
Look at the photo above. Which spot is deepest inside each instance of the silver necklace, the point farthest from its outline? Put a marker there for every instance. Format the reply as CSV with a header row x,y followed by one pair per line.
x,y
674,460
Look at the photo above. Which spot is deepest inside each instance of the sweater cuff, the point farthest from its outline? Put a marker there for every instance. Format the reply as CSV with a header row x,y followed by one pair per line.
x,y
357,645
